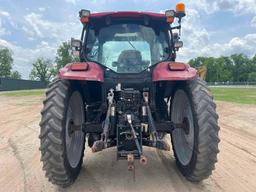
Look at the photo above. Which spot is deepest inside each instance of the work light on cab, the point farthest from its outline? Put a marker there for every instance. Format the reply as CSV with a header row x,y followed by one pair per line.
x,y
170,14
84,16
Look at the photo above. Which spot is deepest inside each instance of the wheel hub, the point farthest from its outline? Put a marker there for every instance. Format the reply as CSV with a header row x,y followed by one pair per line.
x,y
72,127
185,125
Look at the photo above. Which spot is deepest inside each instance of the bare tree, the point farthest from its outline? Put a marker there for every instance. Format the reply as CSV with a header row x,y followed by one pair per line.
x,y
42,70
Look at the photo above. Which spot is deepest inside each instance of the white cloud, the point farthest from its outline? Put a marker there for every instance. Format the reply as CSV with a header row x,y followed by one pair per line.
x,y
245,45
41,9
4,13
193,34
246,6
37,27
197,41
236,6
71,1
253,21
3,31
24,57
4,43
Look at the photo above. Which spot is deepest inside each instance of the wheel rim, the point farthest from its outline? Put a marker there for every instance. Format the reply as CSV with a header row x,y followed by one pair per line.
x,y
74,139
183,138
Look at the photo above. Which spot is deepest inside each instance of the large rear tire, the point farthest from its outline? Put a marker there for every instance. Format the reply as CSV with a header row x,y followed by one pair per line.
x,y
62,148
195,145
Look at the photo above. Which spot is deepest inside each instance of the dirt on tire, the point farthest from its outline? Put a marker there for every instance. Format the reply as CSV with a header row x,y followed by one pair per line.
x,y
21,169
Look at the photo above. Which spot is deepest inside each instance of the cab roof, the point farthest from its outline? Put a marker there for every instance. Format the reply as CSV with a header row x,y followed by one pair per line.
x,y
129,14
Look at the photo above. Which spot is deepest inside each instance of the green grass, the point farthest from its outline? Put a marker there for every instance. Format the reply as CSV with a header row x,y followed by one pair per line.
x,y
229,94
34,92
235,95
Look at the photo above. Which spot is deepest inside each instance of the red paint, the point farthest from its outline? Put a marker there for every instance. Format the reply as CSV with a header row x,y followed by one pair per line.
x,y
93,73
132,14
162,73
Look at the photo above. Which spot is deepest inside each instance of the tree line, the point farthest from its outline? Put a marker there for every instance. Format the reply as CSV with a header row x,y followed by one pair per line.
x,y
235,68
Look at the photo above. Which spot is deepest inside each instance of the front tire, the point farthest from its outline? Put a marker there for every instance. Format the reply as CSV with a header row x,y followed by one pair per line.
x,y
62,148
195,145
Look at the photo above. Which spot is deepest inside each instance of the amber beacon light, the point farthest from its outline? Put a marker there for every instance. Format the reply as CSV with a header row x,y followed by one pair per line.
x,y
180,10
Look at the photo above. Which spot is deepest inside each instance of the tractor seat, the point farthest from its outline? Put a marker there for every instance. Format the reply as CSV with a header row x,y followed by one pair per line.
x,y
130,61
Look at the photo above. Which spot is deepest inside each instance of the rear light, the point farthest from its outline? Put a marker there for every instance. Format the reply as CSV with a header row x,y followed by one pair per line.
x,y
79,66
177,66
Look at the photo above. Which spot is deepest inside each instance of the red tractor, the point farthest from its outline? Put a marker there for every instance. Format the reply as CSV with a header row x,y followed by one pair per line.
x,y
127,92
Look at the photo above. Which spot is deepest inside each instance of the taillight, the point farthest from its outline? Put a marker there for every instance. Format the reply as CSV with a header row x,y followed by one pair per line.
x,y
177,66
79,66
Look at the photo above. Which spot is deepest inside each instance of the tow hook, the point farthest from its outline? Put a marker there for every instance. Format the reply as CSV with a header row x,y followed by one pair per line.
x,y
130,159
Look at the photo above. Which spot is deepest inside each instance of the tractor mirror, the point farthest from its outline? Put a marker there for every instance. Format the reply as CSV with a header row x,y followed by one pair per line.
x,y
178,44
76,43
76,46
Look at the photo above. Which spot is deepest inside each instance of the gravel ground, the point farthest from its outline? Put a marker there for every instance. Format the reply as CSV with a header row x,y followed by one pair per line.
x,y
21,170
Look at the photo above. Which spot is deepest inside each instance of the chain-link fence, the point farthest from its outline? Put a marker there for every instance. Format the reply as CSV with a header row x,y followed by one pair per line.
x,y
242,83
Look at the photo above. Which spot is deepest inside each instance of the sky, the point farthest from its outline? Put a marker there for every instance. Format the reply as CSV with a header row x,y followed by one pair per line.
x,y
33,29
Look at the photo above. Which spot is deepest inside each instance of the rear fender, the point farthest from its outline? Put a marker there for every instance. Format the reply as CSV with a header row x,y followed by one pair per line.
x,y
162,72
93,73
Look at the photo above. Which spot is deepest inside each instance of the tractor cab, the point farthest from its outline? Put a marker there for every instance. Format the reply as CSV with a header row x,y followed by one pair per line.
x,y
127,45
127,42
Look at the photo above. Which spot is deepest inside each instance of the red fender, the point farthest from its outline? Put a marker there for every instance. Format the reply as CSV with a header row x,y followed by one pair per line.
x,y
162,72
92,72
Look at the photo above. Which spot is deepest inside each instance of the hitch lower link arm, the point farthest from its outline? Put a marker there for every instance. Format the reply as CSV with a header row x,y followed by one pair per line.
x,y
157,142
130,157
129,119
103,143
